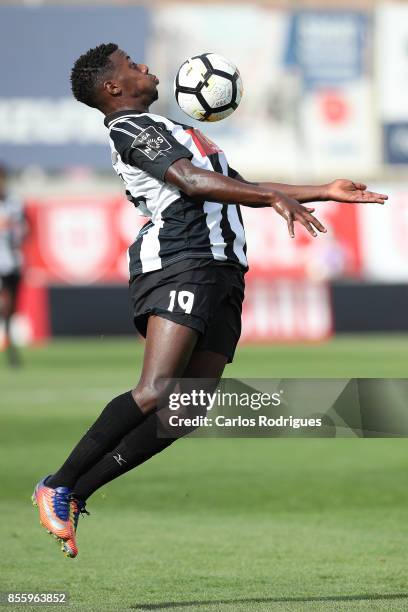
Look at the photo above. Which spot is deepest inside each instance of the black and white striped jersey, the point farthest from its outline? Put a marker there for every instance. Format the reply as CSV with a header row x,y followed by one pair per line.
x,y
143,147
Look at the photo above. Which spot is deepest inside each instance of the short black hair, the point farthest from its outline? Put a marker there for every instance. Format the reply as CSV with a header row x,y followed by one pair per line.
x,y
87,71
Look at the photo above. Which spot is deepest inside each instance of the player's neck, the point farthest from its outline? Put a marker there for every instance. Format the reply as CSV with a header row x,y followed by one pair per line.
x,y
138,106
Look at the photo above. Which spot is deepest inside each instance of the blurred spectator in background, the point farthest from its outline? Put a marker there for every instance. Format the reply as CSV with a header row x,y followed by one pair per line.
x,y
13,229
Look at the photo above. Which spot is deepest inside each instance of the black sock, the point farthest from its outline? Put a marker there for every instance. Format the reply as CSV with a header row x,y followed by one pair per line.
x,y
135,448
119,417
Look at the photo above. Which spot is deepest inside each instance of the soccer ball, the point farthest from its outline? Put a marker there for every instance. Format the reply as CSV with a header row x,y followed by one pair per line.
x,y
208,87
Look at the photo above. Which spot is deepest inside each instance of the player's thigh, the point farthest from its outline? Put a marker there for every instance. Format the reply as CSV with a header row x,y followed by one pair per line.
x,y
202,373
168,350
205,364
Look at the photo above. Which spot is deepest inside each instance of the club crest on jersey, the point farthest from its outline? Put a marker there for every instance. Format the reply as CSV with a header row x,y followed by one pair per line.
x,y
151,142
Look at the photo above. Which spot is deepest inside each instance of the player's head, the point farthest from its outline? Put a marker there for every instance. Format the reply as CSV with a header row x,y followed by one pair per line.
x,y
106,78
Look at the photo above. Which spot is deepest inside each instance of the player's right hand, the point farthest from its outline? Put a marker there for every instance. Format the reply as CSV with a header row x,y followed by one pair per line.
x,y
291,210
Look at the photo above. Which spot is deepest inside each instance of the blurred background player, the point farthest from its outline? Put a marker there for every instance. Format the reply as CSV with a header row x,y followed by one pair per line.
x,y
13,229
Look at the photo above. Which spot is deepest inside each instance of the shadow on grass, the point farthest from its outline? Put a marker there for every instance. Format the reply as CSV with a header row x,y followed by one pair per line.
x,y
165,605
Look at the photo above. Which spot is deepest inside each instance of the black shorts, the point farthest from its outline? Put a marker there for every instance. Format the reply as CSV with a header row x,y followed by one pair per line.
x,y
204,295
10,282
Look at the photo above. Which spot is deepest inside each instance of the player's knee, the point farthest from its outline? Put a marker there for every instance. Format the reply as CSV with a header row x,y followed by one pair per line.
x,y
146,397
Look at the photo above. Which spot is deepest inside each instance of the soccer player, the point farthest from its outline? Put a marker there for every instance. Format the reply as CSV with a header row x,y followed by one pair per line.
x,y
187,269
13,229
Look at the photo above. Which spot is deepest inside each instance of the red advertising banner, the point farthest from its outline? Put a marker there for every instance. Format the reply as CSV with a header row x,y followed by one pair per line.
x,y
84,240
272,254
286,311
81,240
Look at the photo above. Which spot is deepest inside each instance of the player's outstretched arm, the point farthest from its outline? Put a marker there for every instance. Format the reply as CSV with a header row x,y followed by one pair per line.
x,y
340,190
214,187
347,191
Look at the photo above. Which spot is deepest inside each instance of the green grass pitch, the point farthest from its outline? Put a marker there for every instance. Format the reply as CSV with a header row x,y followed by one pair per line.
x,y
210,525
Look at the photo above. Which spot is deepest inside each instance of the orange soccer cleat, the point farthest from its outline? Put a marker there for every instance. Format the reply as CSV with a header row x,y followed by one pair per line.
x,y
76,508
56,516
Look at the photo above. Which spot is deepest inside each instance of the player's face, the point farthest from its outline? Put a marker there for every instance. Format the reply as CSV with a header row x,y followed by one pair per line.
x,y
134,79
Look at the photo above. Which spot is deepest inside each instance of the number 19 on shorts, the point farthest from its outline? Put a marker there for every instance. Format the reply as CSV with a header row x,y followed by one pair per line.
x,y
185,299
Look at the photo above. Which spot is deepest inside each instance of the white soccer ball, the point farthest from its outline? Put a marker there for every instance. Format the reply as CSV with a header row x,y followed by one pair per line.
x,y
208,87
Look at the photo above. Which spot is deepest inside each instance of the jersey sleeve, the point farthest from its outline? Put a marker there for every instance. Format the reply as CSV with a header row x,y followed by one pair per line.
x,y
232,173
150,147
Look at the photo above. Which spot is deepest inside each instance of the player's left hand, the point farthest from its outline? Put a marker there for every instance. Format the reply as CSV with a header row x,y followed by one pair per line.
x,y
343,190
291,210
